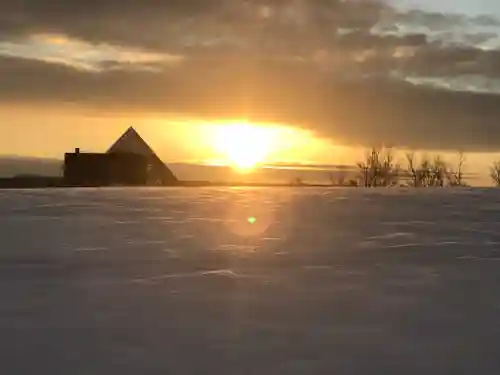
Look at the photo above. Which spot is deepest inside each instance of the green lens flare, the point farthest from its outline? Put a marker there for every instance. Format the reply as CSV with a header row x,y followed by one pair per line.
x,y
252,220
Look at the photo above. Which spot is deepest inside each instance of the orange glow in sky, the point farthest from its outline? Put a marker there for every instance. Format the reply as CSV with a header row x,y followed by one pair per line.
x,y
243,145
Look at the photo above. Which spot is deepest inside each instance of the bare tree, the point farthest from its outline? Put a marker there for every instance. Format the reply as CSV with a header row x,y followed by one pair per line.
x,y
378,168
389,171
413,170
460,168
427,173
456,177
423,174
369,168
495,173
364,168
439,171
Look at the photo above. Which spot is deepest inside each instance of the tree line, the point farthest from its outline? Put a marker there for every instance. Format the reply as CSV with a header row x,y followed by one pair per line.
x,y
380,169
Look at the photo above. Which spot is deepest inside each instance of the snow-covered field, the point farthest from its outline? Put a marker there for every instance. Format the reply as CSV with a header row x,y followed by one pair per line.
x,y
250,281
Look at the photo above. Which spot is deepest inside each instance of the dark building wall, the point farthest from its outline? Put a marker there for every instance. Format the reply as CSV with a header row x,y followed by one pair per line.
x,y
30,182
160,174
92,169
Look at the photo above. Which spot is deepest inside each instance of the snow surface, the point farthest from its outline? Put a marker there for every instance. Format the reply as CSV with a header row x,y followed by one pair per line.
x,y
179,281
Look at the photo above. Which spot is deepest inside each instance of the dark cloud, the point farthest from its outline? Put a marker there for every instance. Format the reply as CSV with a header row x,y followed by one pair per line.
x,y
439,21
300,28
362,112
314,63
362,40
123,22
175,24
435,61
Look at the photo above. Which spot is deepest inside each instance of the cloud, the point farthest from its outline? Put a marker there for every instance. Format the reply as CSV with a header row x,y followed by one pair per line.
x,y
184,23
79,54
357,71
362,112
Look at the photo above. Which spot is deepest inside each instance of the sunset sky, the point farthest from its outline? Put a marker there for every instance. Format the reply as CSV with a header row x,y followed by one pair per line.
x,y
328,77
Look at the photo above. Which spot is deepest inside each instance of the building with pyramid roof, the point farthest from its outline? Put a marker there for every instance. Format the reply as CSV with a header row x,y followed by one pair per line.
x,y
129,161
132,142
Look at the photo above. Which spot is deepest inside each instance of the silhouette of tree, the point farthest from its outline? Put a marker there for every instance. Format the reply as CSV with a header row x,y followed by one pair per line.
x,y
413,172
439,172
495,173
429,172
455,177
378,168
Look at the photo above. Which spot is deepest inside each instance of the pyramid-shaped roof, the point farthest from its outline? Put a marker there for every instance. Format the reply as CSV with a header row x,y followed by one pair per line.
x,y
132,142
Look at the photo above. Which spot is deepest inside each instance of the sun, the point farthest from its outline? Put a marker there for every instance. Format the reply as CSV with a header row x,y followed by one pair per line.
x,y
244,146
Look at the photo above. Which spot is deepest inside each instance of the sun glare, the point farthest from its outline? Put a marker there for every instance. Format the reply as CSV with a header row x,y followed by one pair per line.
x,y
244,146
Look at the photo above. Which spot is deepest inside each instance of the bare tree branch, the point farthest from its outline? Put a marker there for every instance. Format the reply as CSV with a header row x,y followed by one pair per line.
x,y
378,168
495,173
